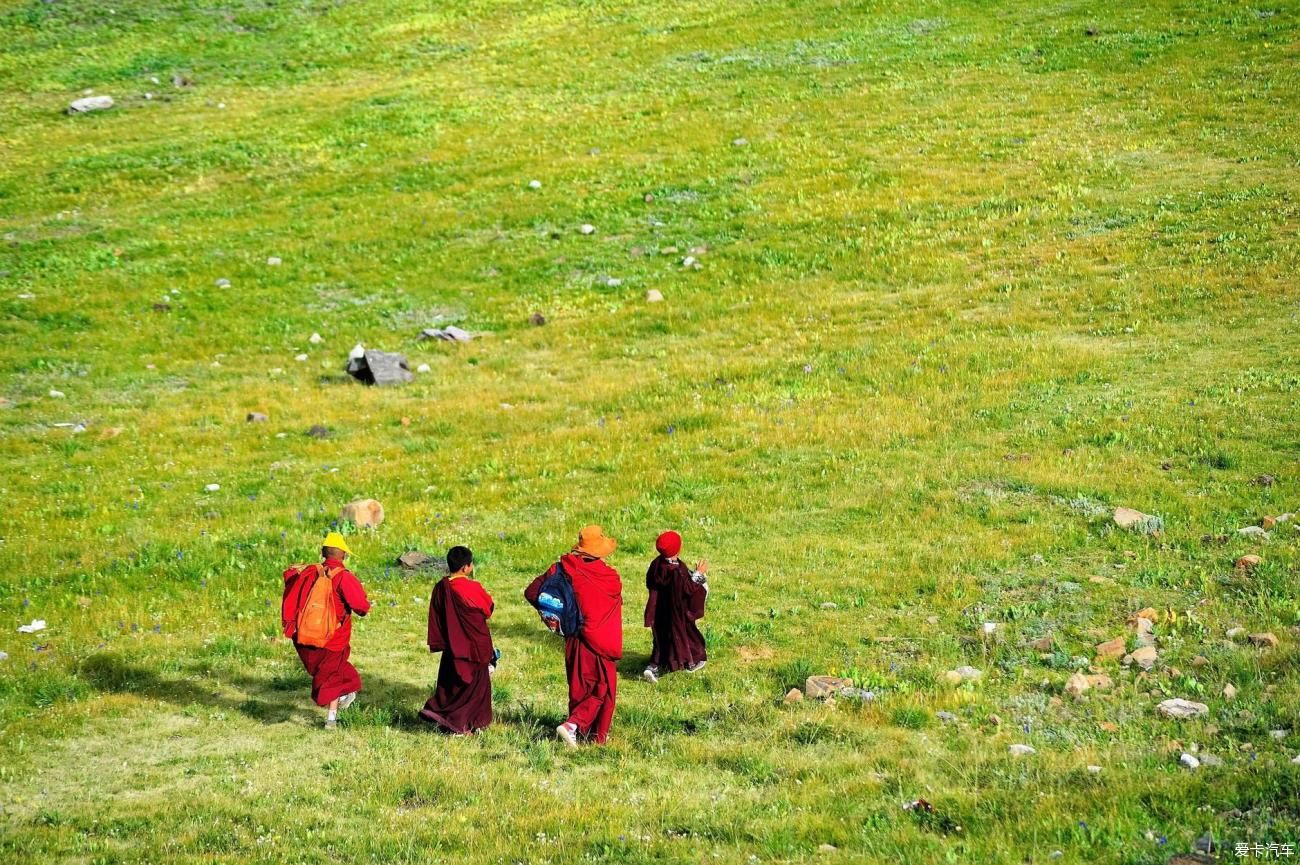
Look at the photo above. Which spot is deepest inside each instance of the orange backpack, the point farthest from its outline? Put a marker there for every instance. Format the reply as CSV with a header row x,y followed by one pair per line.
x,y
317,620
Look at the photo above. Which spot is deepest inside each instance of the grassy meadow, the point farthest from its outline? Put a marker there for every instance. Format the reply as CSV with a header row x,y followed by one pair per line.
x,y
971,275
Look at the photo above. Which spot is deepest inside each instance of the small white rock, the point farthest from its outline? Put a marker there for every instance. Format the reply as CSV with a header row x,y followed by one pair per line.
x,y
57,394
1296,759
212,488
358,351
688,261
1094,770
990,627
315,339
654,296
587,228
273,261
1189,761
534,184
1279,734
424,367
1019,750
740,142
4,656
613,282
300,357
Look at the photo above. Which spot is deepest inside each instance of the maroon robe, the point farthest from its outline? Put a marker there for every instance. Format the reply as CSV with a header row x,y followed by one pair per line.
x,y
458,614
675,603
332,675
590,655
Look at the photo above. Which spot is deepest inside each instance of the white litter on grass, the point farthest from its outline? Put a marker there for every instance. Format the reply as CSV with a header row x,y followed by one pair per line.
x,y
36,625
212,488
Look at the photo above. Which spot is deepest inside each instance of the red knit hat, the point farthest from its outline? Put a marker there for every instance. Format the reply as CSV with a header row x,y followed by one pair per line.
x,y
669,544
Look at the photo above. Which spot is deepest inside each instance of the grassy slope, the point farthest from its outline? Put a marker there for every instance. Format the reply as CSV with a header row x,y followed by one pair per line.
x,y
973,266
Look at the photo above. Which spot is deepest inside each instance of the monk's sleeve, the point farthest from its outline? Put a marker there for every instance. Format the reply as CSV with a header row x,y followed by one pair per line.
x,y
437,639
353,595
652,596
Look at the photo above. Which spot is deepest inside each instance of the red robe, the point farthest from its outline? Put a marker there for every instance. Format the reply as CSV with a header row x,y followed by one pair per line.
x,y
458,612
331,674
674,605
589,655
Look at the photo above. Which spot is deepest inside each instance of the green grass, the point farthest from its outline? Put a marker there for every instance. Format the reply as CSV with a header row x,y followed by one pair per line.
x,y
981,273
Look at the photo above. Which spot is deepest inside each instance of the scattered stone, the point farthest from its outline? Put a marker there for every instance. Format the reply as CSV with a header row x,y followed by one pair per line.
x,y
1247,563
830,605
668,250
1111,648
1180,709
179,80
1147,524
212,488
222,283
1279,735
1042,644
1268,523
690,261
1109,727
257,417
380,368
273,261
946,717
740,142
1145,657
821,687
301,358
1296,759
1211,760
423,368
1094,770
988,628
111,432
1018,750
415,560
91,103
319,431
794,695
450,333
315,339
613,282
363,513
587,228
1200,661
654,296
1264,640
534,184
537,319
405,421
826,848
1076,685
4,656
1253,532
36,625
861,694
1189,761
962,674
1235,632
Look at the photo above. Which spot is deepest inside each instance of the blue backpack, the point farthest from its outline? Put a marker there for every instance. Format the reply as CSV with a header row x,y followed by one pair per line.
x,y
557,605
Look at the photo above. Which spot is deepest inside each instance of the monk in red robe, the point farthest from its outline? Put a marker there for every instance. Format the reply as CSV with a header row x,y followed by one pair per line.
x,y
334,681
590,655
458,627
675,602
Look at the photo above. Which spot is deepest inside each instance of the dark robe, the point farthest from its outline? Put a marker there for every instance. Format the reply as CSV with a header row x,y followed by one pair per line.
x,y
458,614
590,655
675,603
332,675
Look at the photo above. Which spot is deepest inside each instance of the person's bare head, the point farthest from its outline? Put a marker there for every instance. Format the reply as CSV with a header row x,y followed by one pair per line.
x,y
333,553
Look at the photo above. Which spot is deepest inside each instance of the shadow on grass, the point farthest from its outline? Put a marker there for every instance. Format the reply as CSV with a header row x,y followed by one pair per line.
x,y
273,700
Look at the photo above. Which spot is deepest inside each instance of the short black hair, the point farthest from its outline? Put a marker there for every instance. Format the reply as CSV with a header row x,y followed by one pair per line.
x,y
457,558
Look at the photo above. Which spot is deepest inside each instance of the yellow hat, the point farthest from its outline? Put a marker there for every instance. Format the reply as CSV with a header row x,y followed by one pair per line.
x,y
334,539
593,541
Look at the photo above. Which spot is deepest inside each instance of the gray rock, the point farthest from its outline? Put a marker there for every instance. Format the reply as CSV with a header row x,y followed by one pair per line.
x,y
821,687
1189,761
1018,750
382,368
1180,709
450,333
414,560
537,319
273,261
257,417
222,283
830,605
587,228
91,103
946,717
860,694
319,431
1211,760
1253,532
